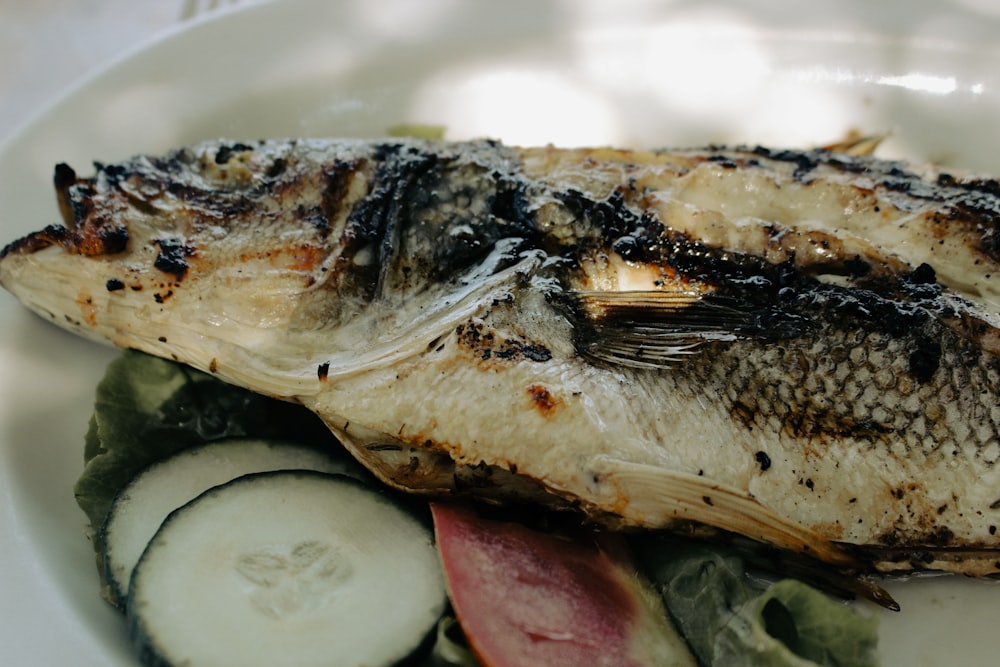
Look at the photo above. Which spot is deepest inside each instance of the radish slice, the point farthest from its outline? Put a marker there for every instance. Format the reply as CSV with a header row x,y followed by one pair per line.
x,y
526,598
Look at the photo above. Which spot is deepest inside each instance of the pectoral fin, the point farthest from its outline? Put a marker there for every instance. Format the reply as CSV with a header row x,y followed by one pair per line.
x,y
653,329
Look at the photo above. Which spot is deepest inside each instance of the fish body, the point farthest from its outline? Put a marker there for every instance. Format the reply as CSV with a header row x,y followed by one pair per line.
x,y
797,346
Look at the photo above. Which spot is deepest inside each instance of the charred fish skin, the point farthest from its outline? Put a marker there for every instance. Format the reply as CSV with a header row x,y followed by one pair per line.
x,y
796,346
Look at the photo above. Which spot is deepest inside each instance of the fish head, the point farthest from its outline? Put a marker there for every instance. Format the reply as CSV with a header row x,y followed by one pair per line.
x,y
276,264
342,277
175,255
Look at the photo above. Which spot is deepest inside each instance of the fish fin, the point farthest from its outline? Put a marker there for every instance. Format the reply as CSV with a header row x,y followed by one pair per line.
x,y
658,496
856,143
656,328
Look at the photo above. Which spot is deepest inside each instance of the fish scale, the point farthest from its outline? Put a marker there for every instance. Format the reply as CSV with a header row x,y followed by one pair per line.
x,y
796,346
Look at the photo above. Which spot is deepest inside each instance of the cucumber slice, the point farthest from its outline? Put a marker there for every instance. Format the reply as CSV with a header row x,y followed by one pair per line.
x,y
140,508
289,568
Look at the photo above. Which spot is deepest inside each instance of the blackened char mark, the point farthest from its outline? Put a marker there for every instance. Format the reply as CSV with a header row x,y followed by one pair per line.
x,y
172,257
895,307
97,237
979,205
804,161
216,203
971,204
90,232
922,275
428,217
109,238
85,231
226,152
925,358
336,186
486,345
724,161
636,237
536,352
786,295
181,175
51,235
510,202
456,213
63,179
277,168
374,222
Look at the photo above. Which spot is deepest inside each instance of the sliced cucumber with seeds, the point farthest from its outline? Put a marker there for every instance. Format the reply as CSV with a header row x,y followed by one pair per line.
x,y
141,507
289,568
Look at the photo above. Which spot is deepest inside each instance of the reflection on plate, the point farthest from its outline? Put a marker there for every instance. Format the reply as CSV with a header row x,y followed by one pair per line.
x,y
633,73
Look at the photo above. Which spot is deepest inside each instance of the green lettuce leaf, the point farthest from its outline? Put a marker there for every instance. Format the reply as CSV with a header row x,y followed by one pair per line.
x,y
730,619
417,131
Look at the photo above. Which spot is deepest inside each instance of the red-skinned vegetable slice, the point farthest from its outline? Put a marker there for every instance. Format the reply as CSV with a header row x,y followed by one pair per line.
x,y
527,598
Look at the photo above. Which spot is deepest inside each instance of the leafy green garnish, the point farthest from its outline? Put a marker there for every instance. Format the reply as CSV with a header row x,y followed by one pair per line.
x,y
811,625
729,620
417,131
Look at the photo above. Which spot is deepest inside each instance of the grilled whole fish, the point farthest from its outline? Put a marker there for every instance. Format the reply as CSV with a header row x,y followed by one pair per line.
x,y
797,346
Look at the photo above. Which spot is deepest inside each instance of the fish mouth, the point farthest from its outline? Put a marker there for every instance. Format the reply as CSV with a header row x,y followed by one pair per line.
x,y
82,232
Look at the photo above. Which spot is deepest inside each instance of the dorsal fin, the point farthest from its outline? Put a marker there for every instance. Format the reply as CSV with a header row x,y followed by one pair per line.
x,y
656,328
856,143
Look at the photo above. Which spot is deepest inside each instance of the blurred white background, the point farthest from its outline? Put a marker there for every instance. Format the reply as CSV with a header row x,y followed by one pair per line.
x,y
48,46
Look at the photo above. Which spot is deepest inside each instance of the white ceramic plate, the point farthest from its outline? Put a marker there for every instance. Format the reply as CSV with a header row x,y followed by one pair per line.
x,y
631,73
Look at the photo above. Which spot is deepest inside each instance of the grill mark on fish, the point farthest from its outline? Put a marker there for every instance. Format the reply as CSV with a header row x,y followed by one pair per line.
x,y
371,227
226,152
484,343
84,231
172,257
543,400
335,191
812,382
51,235
971,202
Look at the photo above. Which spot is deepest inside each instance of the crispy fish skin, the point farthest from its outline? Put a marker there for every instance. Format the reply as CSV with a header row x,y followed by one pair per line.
x,y
801,347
